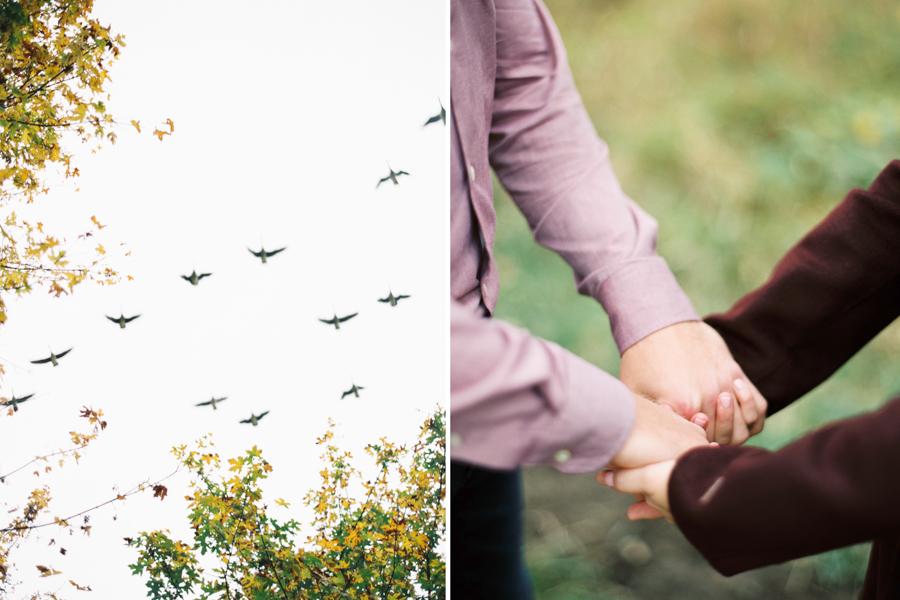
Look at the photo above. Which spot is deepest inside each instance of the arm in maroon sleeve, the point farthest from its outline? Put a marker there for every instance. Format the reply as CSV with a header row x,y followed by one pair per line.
x,y
831,294
745,508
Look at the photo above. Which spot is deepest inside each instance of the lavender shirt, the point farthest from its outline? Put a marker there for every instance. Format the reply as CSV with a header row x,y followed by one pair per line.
x,y
517,399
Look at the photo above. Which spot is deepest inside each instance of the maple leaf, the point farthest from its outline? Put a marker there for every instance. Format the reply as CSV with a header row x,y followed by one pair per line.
x,y
137,125
97,223
160,491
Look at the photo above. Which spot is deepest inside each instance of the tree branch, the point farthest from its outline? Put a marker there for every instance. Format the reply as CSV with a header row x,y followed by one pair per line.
x,y
139,488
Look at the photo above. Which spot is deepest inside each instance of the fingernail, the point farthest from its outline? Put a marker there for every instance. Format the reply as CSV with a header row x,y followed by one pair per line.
x,y
609,478
738,384
725,400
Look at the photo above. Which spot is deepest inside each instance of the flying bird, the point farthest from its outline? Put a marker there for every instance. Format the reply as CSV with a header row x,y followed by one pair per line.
x,y
392,176
53,358
15,401
213,402
254,418
122,319
353,390
392,298
337,320
194,278
442,116
263,254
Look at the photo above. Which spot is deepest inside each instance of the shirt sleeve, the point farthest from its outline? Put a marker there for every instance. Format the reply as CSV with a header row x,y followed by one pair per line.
x,y
746,508
520,400
547,154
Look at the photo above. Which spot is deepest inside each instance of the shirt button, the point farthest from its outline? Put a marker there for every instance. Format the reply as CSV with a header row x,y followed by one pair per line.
x,y
471,173
455,440
562,456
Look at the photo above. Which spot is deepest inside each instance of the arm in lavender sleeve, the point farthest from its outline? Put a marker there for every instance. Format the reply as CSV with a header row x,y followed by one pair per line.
x,y
546,153
519,400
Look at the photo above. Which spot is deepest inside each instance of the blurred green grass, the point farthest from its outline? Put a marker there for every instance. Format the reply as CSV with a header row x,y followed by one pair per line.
x,y
738,125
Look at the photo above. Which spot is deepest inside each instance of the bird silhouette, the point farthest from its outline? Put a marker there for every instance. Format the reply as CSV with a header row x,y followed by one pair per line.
x,y
122,319
53,358
392,299
14,402
263,254
441,116
392,176
212,401
194,278
353,390
336,321
254,418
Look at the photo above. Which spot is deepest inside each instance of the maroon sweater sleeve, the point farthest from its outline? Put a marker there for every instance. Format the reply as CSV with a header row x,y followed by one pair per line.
x,y
745,508
830,294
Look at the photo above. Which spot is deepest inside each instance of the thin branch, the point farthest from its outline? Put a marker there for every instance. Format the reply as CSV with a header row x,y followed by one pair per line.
x,y
45,457
49,125
139,488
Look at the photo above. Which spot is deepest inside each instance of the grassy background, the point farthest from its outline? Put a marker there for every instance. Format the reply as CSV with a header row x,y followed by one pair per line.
x,y
738,125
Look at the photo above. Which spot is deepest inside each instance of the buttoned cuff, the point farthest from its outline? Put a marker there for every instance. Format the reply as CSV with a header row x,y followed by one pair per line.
x,y
578,432
591,428
642,298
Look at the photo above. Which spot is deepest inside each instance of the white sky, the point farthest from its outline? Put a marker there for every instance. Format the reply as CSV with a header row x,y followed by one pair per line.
x,y
286,115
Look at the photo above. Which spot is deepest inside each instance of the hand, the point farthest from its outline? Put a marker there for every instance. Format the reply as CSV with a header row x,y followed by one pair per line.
x,y
658,434
688,367
649,483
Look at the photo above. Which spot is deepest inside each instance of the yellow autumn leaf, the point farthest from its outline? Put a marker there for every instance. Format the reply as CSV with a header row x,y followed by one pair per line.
x,y
100,249
137,125
47,571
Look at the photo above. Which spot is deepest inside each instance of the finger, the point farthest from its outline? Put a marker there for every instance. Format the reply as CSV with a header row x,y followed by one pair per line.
x,y
739,433
626,481
724,418
708,408
601,478
761,406
642,510
700,420
746,401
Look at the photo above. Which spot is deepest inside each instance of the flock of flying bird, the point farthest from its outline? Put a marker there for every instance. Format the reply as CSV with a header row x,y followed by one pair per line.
x,y
263,254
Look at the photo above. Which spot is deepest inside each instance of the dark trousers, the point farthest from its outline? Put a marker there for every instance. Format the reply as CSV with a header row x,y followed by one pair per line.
x,y
486,535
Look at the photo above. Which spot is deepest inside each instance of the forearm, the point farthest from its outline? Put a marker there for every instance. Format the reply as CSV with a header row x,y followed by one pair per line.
x,y
829,295
745,508
517,399
547,154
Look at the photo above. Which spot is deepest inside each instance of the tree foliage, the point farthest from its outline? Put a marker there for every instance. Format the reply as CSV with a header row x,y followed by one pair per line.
x,y
54,63
385,546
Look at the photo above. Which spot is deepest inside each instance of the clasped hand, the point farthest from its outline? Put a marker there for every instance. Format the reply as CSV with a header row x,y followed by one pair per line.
x,y
689,392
